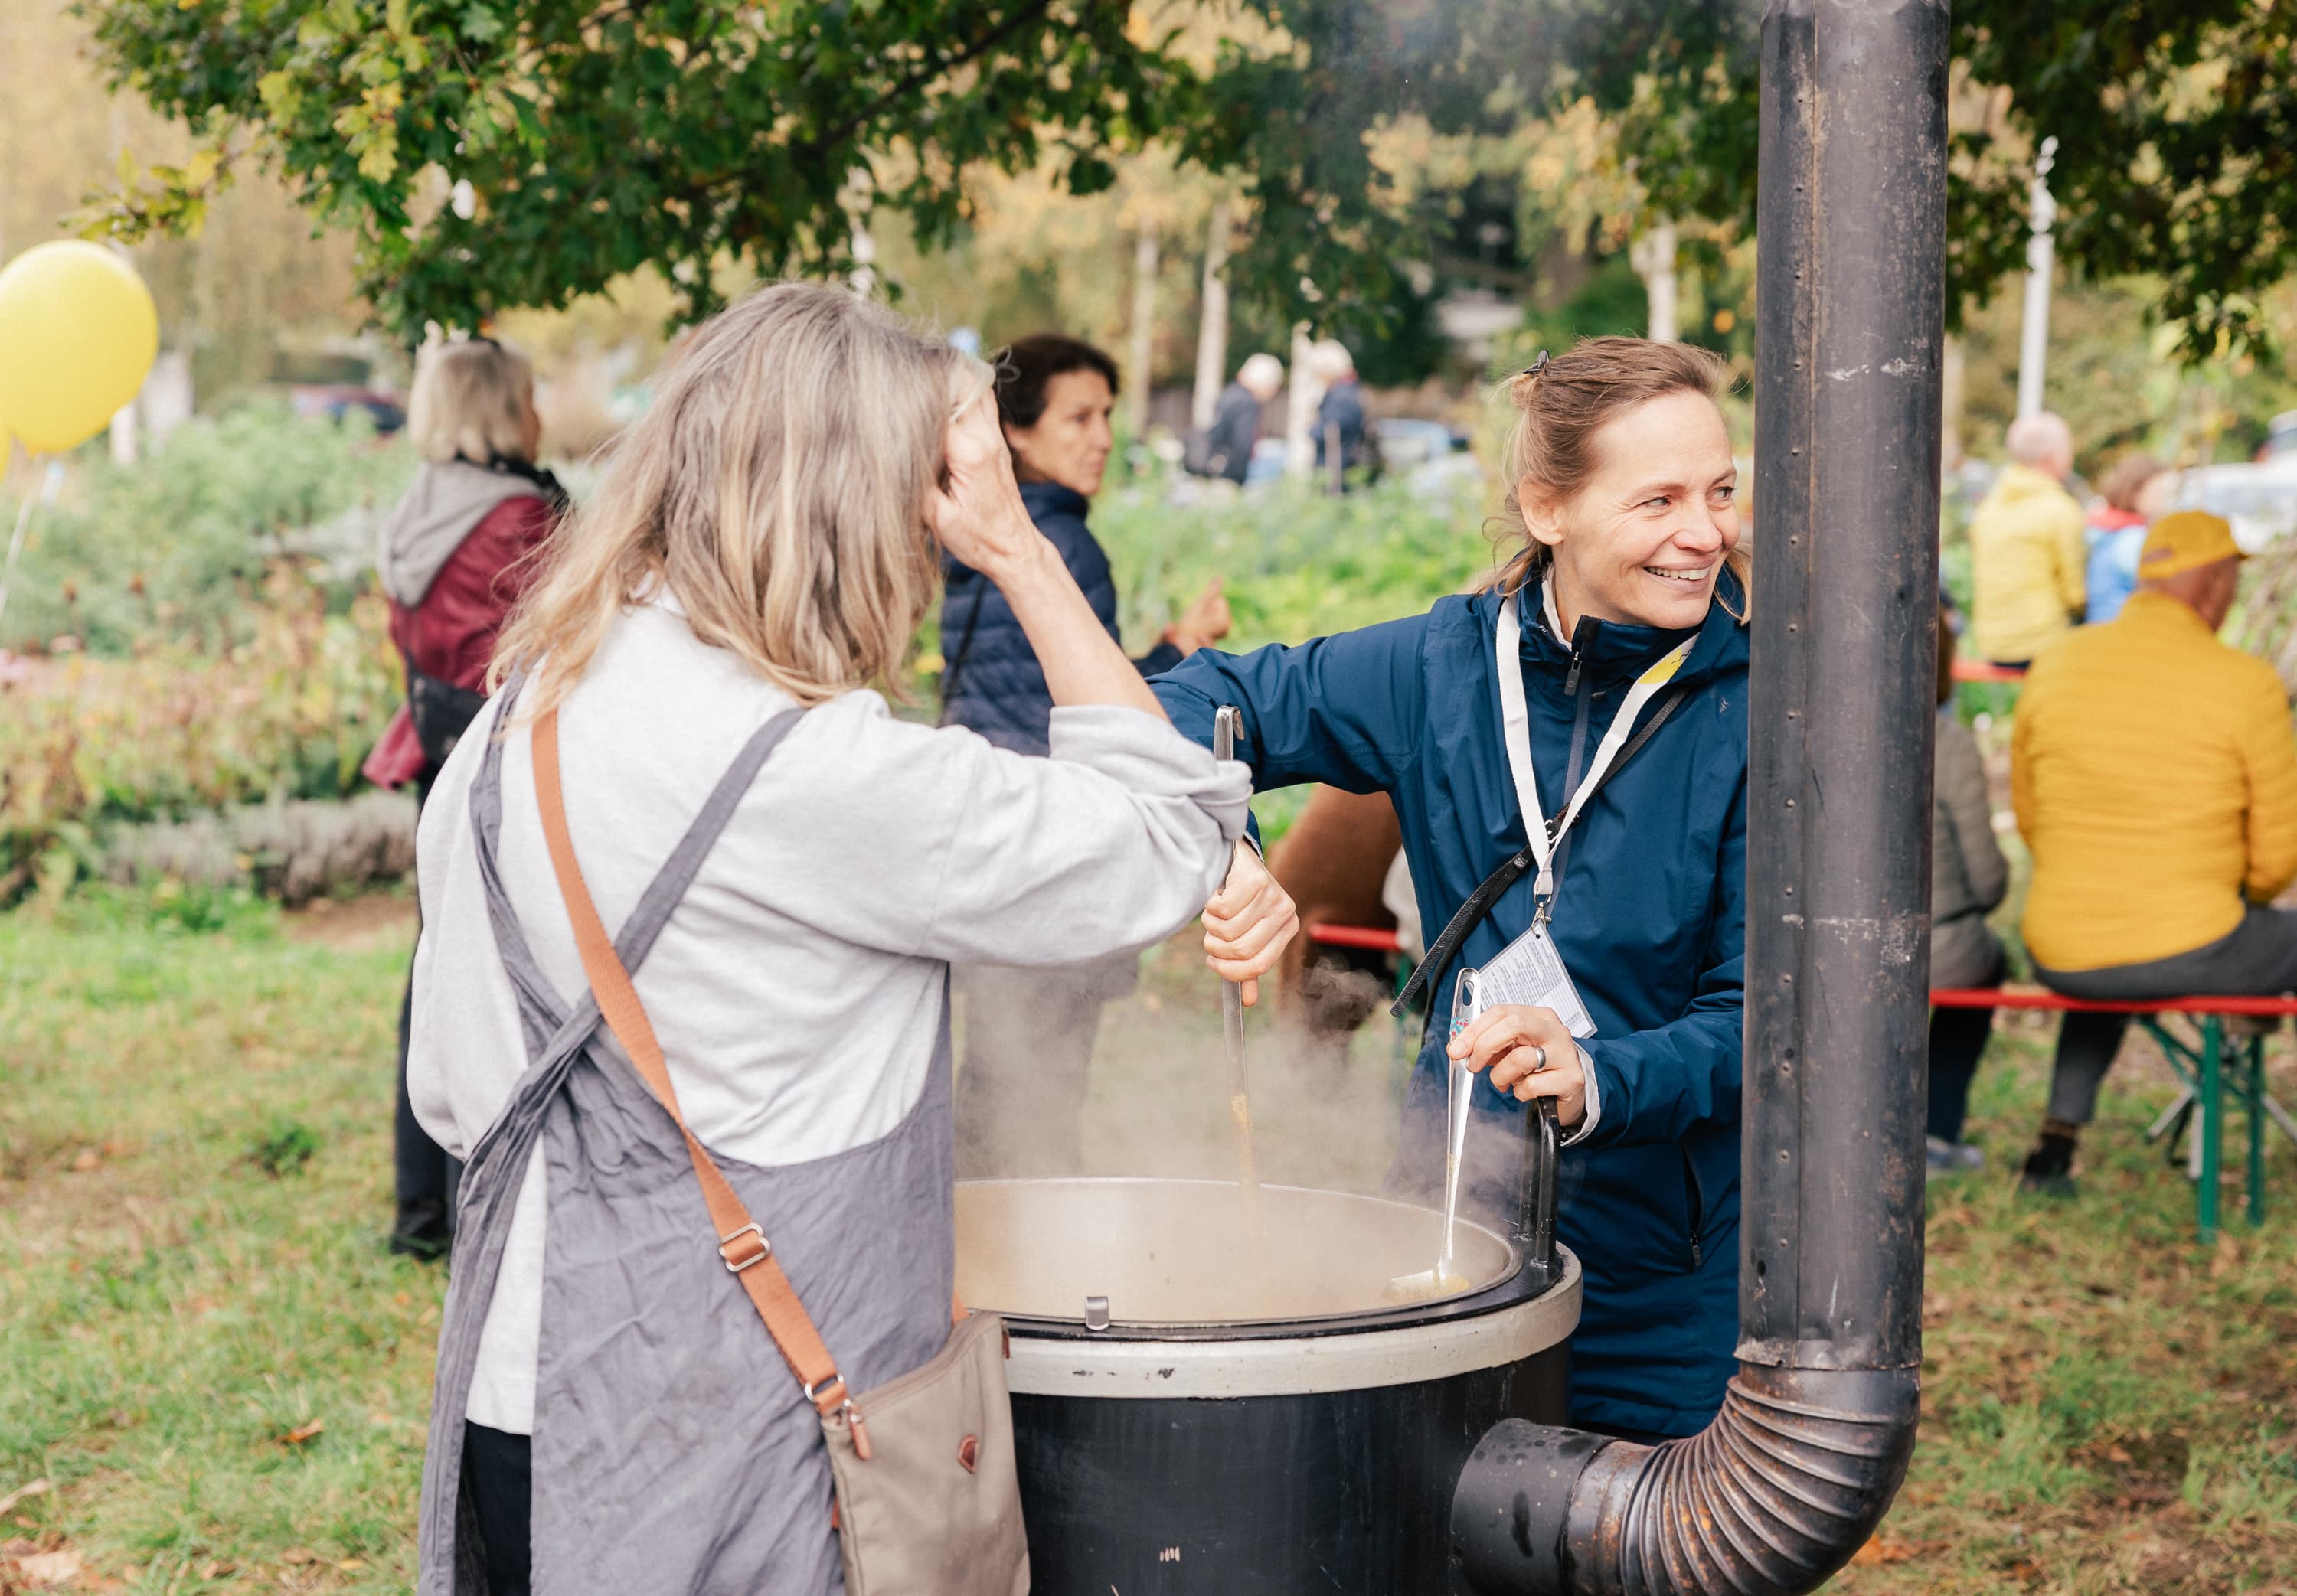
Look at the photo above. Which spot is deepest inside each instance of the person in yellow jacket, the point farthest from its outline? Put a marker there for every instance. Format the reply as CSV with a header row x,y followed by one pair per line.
x,y
2029,548
2155,777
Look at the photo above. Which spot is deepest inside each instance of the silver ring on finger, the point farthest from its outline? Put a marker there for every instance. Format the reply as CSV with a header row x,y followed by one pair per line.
x,y
1538,1059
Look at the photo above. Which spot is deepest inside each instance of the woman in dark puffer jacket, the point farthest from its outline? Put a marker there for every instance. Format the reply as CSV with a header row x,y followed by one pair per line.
x,y
454,555
1029,1033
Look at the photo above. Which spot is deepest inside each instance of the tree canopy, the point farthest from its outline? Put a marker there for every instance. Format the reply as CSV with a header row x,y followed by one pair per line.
x,y
2176,122
493,154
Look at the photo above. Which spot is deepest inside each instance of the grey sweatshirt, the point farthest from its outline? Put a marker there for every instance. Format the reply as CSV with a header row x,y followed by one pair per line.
x,y
426,528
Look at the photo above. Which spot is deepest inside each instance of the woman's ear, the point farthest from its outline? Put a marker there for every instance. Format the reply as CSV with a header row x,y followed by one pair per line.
x,y
1542,517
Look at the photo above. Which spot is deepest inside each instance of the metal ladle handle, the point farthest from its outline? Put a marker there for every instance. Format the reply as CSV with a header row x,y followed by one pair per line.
x,y
1543,1139
1226,720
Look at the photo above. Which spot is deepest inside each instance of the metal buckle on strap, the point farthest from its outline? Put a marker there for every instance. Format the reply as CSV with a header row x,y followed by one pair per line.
x,y
726,1244
834,1378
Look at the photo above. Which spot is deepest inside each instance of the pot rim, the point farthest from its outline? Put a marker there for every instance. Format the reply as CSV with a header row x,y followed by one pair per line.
x,y
1047,1360
1516,1284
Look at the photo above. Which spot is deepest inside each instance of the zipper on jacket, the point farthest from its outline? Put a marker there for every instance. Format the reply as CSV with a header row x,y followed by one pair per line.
x,y
1694,1205
1582,635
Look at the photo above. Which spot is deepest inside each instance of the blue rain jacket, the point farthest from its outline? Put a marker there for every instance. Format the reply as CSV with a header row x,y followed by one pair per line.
x,y
1649,916
1000,688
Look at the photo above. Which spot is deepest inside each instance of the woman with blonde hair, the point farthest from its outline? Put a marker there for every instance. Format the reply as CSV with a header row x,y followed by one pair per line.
x,y
786,870
453,556
1567,752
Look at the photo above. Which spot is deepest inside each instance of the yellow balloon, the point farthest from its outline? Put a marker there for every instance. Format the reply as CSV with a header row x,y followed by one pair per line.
x,y
77,335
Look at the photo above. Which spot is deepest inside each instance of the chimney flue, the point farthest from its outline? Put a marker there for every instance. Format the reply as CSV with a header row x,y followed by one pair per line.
x,y
1815,1432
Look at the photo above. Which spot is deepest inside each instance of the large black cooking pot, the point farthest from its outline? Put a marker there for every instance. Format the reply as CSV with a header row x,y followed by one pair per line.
x,y
1206,1404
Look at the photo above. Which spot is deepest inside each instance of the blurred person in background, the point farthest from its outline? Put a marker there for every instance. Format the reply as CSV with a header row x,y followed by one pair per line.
x,y
1968,878
1224,449
2156,781
454,557
2136,491
1029,1032
1343,430
2029,549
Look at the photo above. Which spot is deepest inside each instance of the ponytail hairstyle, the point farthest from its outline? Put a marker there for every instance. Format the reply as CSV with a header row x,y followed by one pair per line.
x,y
1562,402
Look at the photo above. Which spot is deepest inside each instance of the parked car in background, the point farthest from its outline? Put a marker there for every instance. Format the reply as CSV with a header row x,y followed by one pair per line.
x,y
2280,438
387,411
2260,499
1431,457
1267,463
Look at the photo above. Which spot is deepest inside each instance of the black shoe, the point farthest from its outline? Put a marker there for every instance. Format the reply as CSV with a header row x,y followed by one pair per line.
x,y
2049,1167
423,1231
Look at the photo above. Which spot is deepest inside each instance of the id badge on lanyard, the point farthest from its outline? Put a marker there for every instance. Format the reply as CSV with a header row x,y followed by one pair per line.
x,y
1529,970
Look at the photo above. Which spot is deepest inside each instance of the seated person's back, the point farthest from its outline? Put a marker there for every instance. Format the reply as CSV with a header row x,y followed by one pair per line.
x,y
2138,747
2155,780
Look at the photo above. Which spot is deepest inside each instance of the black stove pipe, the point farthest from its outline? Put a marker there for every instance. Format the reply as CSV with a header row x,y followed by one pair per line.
x,y
1816,1428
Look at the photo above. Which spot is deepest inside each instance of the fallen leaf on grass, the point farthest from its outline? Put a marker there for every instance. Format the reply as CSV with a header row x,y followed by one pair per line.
x,y
88,1159
216,1570
350,1563
1881,1549
38,1487
45,1570
297,1556
304,1432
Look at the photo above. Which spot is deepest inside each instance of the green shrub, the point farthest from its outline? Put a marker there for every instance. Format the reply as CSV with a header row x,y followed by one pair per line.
x,y
1296,564
176,547
288,712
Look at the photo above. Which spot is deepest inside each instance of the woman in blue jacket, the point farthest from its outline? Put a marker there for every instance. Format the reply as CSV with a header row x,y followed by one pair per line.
x,y
1611,652
1029,1032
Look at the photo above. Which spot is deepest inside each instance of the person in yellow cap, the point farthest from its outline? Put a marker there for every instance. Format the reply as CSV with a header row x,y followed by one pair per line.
x,y
2155,777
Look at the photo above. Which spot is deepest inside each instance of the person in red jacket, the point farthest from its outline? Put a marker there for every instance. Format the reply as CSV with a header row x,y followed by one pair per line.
x,y
454,555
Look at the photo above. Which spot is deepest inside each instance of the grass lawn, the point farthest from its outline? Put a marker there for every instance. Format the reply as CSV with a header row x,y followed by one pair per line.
x,y
222,1379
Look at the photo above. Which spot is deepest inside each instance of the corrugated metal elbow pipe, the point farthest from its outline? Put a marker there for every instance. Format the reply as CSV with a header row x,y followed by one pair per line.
x,y
1772,1498
1817,1428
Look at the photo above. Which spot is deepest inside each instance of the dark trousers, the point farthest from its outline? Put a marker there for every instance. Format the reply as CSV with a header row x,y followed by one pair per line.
x,y
1958,1038
2256,958
499,1487
424,1175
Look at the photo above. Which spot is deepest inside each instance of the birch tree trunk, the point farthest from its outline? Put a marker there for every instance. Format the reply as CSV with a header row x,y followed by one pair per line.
x,y
1301,393
1145,258
1211,326
1653,258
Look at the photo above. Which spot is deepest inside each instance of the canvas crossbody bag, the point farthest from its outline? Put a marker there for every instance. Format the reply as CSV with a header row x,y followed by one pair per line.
x,y
928,1500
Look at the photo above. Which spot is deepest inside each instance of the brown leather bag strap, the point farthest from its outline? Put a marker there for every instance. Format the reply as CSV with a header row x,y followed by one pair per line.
x,y
741,1243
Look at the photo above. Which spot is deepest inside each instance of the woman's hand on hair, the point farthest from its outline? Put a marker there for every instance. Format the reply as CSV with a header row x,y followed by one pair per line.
x,y
1248,922
1530,1053
977,512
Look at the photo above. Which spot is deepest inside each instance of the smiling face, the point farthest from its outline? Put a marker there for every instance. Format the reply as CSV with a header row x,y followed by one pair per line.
x,y
1642,540
1070,443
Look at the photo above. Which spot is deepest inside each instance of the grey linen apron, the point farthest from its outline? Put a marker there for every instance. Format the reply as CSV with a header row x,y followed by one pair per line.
x,y
673,1450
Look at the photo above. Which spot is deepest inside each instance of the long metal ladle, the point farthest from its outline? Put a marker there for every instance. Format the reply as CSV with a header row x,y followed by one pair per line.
x,y
1226,720
1459,1097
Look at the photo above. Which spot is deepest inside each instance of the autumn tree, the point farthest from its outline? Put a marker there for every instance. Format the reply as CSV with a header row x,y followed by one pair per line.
x,y
491,153
2176,121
